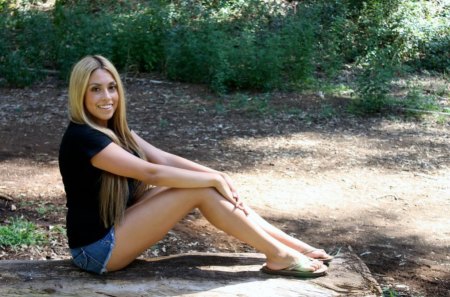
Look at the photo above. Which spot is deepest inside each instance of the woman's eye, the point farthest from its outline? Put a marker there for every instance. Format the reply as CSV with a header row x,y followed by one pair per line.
x,y
112,88
95,89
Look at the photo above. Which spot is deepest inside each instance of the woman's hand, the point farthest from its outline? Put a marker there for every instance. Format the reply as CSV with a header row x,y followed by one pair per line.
x,y
232,194
230,184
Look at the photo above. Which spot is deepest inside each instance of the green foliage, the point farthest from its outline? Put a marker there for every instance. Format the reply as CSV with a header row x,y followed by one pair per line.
x,y
79,34
373,83
235,44
228,45
24,48
254,50
94,6
58,229
389,292
16,71
139,40
16,4
416,99
393,34
20,232
326,112
334,34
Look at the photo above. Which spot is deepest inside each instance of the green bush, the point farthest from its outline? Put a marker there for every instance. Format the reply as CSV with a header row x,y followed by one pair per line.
x,y
334,35
394,34
435,54
138,44
373,83
25,43
79,34
16,70
187,50
261,51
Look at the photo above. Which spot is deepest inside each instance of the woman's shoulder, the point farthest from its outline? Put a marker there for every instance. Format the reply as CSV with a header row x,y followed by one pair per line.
x,y
84,138
77,129
78,132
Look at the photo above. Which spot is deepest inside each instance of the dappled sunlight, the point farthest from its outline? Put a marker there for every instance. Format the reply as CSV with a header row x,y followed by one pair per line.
x,y
294,141
25,179
412,204
385,145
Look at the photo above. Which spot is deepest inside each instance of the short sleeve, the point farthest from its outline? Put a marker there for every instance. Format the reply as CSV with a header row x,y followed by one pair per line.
x,y
88,140
94,142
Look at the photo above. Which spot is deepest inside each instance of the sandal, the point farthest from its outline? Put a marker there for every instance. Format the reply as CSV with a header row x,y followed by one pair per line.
x,y
325,260
297,270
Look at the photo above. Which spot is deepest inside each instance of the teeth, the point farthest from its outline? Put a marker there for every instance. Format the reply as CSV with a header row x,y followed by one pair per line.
x,y
108,106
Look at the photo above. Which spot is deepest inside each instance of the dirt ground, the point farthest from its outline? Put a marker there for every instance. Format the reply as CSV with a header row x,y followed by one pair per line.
x,y
379,186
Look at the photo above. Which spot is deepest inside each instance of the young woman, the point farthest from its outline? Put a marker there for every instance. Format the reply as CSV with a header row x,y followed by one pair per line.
x,y
124,195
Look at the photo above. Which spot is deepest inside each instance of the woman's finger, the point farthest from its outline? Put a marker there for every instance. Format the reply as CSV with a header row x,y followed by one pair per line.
x,y
242,206
230,183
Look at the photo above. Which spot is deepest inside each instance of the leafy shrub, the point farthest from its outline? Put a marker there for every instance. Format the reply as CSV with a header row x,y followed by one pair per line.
x,y
256,50
416,99
395,34
24,44
334,35
16,70
139,40
416,29
373,84
79,34
435,54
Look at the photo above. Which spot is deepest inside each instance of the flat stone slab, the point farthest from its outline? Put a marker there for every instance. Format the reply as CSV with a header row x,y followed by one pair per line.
x,y
193,274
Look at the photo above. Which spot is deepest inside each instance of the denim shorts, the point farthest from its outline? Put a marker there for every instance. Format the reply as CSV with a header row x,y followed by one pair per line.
x,y
95,256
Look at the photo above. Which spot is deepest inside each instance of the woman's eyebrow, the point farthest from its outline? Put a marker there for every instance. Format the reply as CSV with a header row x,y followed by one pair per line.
x,y
98,84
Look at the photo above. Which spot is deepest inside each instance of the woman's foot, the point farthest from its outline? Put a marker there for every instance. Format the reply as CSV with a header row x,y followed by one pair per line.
x,y
318,254
301,267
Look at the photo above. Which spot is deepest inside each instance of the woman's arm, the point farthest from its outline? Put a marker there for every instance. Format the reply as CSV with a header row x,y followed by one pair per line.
x,y
118,161
158,156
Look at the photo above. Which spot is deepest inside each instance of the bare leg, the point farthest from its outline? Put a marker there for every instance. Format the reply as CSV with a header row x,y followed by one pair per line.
x,y
147,222
284,238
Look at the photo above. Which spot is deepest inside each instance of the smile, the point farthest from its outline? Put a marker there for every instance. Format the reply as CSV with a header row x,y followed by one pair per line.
x,y
106,106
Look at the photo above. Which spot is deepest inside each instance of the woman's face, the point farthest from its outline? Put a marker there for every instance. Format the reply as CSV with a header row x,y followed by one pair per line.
x,y
101,96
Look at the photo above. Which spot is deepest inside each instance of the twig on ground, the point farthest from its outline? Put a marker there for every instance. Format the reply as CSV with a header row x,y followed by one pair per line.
x,y
6,197
426,111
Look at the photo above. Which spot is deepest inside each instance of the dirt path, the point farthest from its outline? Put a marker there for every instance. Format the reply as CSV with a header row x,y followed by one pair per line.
x,y
379,186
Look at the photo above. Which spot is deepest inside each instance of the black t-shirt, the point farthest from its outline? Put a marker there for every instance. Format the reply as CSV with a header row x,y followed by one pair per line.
x,y
82,183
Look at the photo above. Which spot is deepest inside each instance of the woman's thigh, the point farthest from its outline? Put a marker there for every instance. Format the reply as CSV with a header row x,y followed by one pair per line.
x,y
150,193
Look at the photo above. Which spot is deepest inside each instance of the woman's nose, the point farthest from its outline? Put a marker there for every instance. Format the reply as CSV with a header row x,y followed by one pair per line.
x,y
107,94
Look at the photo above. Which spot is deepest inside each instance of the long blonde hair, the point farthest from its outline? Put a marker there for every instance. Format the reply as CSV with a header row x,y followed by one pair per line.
x,y
114,191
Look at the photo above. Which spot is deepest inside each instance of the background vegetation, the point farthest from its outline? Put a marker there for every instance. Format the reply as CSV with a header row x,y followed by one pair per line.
x,y
236,44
